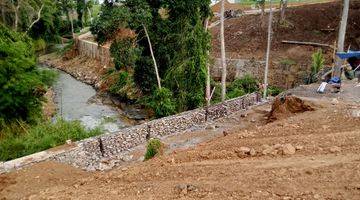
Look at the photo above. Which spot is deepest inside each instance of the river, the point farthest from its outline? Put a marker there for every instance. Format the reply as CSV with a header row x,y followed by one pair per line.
x,y
77,101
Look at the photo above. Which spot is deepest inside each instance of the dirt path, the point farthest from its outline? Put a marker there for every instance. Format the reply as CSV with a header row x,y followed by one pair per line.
x,y
326,164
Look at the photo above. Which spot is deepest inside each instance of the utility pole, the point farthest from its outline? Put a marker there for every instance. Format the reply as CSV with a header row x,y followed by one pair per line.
x,y
268,51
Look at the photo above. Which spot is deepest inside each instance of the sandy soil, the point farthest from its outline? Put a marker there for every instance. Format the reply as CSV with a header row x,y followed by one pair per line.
x,y
325,165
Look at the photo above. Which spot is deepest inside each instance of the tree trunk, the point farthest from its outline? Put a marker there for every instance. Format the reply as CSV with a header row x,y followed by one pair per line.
x,y
283,9
37,19
341,37
223,56
3,15
16,11
207,91
69,16
268,51
153,57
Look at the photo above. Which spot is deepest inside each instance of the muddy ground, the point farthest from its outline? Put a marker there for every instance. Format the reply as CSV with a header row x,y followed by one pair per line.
x,y
306,155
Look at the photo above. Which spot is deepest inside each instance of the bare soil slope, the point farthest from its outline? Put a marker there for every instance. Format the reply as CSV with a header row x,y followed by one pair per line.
x,y
309,155
246,36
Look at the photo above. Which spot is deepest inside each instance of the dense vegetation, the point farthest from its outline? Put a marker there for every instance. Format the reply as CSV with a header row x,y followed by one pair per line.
x,y
21,139
180,43
22,84
28,26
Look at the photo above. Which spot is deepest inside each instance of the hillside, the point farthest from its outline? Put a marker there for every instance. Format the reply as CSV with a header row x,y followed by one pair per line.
x,y
245,37
309,155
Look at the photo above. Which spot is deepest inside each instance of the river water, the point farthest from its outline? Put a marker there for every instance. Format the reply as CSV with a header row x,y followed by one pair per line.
x,y
77,101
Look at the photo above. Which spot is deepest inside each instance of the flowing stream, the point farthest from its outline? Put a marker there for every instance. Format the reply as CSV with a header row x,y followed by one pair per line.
x,y
77,101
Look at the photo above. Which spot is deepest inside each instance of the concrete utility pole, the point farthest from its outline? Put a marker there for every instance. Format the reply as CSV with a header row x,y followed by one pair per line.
x,y
223,56
268,51
341,37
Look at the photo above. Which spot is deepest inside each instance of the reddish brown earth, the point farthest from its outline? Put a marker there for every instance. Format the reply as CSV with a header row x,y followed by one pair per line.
x,y
325,164
246,38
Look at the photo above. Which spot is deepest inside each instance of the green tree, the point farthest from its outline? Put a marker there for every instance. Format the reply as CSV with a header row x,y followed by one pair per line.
x,y
22,85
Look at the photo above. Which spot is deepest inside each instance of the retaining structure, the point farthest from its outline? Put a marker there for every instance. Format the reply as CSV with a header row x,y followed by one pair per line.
x,y
89,153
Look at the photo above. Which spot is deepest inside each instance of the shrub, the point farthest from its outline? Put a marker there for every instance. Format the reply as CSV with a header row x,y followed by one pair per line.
x,y
153,148
39,45
161,101
121,83
317,64
237,92
124,52
274,91
248,83
242,86
19,139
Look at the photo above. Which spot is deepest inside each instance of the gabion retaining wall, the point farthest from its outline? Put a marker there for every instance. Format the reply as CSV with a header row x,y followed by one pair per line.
x,y
89,153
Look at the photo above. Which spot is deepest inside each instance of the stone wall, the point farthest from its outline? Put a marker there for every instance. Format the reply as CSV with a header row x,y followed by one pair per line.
x,y
89,153
237,68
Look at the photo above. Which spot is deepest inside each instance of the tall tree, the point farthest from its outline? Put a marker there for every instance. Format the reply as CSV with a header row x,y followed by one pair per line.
x,y
223,56
341,37
268,50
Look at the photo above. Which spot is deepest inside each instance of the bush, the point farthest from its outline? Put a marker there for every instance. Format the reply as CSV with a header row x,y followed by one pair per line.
x,y
121,83
124,52
39,45
248,83
161,101
237,92
274,91
242,86
153,148
19,139
317,64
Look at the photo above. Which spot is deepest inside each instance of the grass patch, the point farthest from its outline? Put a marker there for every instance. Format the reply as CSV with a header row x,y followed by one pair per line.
x,y
19,139
154,147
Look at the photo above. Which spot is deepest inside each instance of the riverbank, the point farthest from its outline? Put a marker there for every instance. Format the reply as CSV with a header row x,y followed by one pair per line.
x,y
90,71
310,155
82,68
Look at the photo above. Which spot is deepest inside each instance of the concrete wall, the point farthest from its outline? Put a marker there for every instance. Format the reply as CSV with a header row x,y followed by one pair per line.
x,y
89,153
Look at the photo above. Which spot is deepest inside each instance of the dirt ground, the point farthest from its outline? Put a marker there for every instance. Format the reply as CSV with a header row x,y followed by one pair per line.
x,y
307,155
246,37
84,69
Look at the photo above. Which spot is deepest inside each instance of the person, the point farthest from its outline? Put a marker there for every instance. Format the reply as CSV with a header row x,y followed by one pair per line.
x,y
355,65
